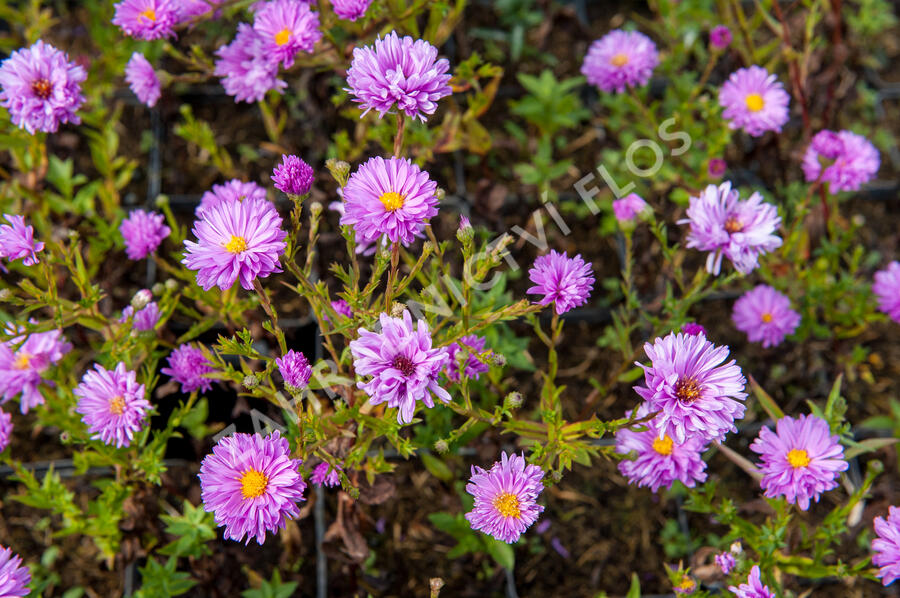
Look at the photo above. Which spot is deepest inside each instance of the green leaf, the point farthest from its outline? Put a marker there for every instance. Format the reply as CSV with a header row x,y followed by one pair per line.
x,y
436,467
272,589
767,402
501,552
634,591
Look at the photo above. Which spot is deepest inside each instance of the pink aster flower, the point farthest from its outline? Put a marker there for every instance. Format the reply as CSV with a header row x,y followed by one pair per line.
x,y
295,369
17,241
236,239
696,395
142,79
350,10
693,329
293,176
190,9
403,364
725,225
326,474
146,19
566,282
22,365
286,28
41,88
390,197
720,37
252,485
886,547
754,101
142,320
620,59
505,497
844,160
726,562
800,460
112,404
235,189
764,314
887,290
143,232
629,207
248,73
754,587
659,460
187,366
687,585
6,428
471,365
14,577
716,168
401,71
342,308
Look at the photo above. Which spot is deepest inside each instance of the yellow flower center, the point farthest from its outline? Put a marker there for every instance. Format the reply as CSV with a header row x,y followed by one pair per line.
x,y
754,102
508,505
391,201
236,244
687,584
23,360
148,14
253,483
619,60
767,317
117,405
663,445
687,390
733,225
798,458
283,37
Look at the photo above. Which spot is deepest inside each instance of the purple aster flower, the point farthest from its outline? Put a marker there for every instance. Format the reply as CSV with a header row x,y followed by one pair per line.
x,y
887,290
143,232
342,308
286,28
187,365
143,319
17,241
112,404
696,395
390,197
236,239
659,460
295,369
142,79
403,364
620,59
6,428
844,160
716,168
235,189
146,19
800,460
326,474
505,497
754,588
190,9
754,101
472,366
14,577
627,208
725,225
248,73
764,314
22,368
720,37
887,546
726,562
566,282
350,10
252,485
401,71
293,176
41,88
693,329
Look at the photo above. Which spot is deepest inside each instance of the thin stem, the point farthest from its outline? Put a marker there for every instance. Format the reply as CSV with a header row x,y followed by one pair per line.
x,y
392,276
398,138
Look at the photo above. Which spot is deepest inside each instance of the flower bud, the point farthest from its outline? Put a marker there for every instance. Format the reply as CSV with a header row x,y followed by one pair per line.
x,y
441,446
465,233
250,381
158,288
315,208
339,169
162,200
397,309
141,299
172,285
513,400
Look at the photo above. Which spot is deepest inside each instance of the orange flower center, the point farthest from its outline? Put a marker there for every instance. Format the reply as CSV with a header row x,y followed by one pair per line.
x,y
767,317
508,505
23,360
663,445
733,225
117,405
754,102
798,458
42,88
619,60
687,584
253,483
391,201
283,37
148,14
236,245
687,390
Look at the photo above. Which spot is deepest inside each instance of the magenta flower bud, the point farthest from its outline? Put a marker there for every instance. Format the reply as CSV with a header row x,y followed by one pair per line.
x,y
720,37
717,168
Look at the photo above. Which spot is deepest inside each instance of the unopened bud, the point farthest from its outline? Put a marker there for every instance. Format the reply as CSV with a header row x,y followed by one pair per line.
x,y
440,194
513,400
465,233
436,583
250,382
162,200
158,288
496,359
397,309
339,169
427,247
315,209
141,299
556,476
5,294
171,285
441,446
